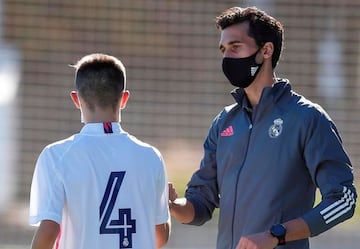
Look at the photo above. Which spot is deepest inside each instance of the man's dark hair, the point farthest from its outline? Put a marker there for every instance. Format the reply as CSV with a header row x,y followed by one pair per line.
x,y
100,80
262,27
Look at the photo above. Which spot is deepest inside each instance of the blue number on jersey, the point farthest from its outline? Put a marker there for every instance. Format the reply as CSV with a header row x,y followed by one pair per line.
x,y
124,225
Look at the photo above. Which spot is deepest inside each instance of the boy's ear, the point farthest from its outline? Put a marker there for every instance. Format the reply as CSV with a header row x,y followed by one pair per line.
x,y
124,99
75,98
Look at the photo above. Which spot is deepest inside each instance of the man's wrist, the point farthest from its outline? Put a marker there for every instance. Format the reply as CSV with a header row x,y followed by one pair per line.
x,y
175,205
274,240
182,210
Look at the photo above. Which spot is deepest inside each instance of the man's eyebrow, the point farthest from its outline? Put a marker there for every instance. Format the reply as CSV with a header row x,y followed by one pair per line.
x,y
229,43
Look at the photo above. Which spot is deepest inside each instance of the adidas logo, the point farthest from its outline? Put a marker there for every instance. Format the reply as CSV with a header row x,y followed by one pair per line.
x,y
253,70
227,132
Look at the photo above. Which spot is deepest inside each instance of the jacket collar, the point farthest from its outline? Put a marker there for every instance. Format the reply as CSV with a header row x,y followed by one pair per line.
x,y
268,95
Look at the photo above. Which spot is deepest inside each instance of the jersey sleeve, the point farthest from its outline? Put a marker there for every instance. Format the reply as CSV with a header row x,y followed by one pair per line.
x,y
47,192
332,172
163,213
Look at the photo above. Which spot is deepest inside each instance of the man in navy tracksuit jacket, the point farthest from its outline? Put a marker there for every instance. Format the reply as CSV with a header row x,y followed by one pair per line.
x,y
266,154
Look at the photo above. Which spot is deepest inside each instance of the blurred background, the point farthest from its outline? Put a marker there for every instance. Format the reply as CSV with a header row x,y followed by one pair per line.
x,y
170,50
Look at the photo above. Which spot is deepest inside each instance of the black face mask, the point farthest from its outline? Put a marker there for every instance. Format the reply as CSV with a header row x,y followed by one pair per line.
x,y
241,71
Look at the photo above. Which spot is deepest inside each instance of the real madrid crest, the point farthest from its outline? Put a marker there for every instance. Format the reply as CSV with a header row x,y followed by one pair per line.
x,y
276,129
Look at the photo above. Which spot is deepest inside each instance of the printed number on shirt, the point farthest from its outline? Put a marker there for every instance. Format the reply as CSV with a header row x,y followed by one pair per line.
x,y
123,225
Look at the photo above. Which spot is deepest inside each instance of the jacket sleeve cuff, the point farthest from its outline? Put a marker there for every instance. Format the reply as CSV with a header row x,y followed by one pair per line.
x,y
202,213
330,213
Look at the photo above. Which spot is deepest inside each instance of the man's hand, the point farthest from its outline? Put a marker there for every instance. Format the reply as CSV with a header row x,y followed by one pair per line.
x,y
296,229
257,241
180,208
172,192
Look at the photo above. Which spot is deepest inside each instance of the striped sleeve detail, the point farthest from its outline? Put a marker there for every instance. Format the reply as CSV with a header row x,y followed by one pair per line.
x,y
340,207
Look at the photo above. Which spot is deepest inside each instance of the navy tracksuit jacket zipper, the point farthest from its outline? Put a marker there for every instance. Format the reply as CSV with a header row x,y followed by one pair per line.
x,y
234,243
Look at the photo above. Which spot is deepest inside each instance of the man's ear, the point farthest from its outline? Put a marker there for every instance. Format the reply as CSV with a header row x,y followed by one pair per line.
x,y
124,98
268,50
75,98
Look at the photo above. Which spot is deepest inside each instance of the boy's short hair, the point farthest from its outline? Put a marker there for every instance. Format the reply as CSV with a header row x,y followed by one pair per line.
x,y
100,79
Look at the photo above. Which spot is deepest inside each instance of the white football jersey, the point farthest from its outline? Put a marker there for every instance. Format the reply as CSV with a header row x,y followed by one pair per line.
x,y
106,188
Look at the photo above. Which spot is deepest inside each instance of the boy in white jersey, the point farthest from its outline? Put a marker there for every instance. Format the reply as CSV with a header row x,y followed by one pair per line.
x,y
101,188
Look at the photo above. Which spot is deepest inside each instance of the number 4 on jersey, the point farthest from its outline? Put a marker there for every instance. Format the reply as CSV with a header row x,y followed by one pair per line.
x,y
124,225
